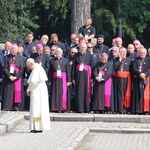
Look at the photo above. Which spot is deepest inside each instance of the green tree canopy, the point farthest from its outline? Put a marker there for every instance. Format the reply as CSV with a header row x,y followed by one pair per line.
x,y
17,17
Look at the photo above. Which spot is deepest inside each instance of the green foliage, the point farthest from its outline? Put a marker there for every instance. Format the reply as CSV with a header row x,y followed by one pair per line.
x,y
135,16
17,17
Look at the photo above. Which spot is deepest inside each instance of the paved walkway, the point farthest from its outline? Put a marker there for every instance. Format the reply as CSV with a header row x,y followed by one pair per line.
x,y
114,141
66,135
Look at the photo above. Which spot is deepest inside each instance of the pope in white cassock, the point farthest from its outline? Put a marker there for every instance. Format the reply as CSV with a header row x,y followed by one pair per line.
x,y
39,105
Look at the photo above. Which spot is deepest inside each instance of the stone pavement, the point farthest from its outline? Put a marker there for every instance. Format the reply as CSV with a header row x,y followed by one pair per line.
x,y
79,134
115,141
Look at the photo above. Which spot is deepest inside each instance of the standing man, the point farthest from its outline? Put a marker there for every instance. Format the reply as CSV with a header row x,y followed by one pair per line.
x,y
60,80
70,43
100,47
114,54
6,51
13,95
87,30
82,78
113,43
122,82
3,53
95,55
131,52
103,98
75,45
53,50
55,41
37,90
28,46
137,45
118,42
141,86
44,40
40,57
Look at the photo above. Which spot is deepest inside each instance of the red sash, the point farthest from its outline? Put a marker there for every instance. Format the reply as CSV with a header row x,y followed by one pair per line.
x,y
126,99
147,96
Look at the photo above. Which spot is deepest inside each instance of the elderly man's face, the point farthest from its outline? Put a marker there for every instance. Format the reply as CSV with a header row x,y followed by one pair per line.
x,y
104,59
39,50
14,50
142,53
118,42
123,53
90,47
83,48
8,46
115,52
44,39
59,53
130,49
29,65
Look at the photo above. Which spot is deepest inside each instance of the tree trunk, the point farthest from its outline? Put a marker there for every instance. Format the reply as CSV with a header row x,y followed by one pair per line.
x,y
119,20
80,10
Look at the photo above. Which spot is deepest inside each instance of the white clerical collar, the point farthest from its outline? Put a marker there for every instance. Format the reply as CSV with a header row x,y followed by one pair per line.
x,y
30,42
82,53
59,58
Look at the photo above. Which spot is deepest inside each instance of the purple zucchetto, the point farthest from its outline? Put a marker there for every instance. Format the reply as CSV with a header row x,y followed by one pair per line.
x,y
39,45
104,55
14,45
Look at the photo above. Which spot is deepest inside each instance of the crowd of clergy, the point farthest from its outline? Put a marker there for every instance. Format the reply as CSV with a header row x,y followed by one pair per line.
x,y
84,75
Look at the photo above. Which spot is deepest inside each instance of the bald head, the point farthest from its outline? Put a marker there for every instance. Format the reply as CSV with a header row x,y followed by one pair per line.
x,y
8,46
142,53
118,41
123,52
130,48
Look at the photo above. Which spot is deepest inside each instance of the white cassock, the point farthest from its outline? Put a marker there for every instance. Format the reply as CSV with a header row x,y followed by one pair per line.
x,y
39,104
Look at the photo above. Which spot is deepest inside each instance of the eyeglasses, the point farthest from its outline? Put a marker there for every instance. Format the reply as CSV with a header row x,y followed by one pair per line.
x,y
73,52
90,47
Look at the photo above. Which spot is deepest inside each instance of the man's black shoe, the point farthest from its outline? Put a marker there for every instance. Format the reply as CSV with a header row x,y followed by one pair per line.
x,y
36,131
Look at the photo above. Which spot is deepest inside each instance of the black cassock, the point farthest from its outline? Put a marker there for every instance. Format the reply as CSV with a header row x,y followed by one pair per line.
x,y
42,59
8,98
57,100
137,101
120,84
103,98
82,80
